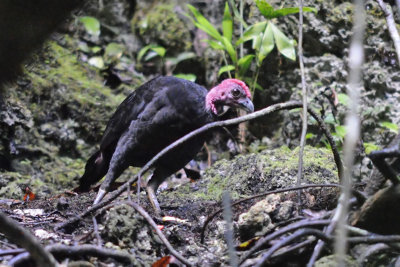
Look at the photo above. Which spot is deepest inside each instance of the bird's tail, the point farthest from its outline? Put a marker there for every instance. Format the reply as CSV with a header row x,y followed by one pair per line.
x,y
96,167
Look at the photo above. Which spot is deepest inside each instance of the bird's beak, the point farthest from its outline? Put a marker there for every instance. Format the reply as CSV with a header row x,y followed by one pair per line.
x,y
246,104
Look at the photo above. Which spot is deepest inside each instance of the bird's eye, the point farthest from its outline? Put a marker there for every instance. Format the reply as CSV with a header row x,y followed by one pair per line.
x,y
236,93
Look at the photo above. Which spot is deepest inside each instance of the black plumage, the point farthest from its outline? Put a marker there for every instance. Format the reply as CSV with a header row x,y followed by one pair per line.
x,y
153,116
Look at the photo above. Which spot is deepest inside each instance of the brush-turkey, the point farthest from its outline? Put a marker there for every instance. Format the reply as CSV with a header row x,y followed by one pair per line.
x,y
153,116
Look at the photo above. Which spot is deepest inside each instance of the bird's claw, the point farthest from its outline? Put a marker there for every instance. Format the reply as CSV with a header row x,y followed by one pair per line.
x,y
100,196
153,200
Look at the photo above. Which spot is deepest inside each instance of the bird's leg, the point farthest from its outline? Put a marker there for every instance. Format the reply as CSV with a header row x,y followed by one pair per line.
x,y
158,176
153,200
118,164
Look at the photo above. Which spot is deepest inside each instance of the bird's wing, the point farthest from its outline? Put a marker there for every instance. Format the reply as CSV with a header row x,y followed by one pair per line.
x,y
126,112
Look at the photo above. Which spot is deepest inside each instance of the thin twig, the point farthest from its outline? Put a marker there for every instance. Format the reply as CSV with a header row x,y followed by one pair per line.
x,y
158,231
394,34
328,231
374,239
19,235
229,236
291,227
287,240
356,58
7,252
304,92
96,231
63,251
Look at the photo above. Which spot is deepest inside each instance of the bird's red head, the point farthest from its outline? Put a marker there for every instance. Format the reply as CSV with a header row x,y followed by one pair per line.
x,y
230,92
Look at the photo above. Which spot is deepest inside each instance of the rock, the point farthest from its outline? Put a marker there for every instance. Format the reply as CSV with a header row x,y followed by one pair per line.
x,y
380,211
330,261
257,222
126,228
251,174
62,204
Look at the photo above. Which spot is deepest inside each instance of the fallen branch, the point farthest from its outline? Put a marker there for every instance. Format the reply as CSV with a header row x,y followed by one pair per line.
x,y
158,231
287,240
354,83
292,227
8,252
73,252
207,127
394,34
18,235
304,92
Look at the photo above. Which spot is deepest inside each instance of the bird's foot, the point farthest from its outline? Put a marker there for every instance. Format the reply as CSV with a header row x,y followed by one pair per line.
x,y
100,196
153,201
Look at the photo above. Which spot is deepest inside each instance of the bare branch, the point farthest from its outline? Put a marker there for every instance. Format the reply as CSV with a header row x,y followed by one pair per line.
x,y
291,227
73,252
394,34
287,240
229,236
158,231
18,235
304,92
356,59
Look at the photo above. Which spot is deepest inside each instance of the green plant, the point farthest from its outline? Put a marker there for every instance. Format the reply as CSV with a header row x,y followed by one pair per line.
x,y
264,35
151,51
91,24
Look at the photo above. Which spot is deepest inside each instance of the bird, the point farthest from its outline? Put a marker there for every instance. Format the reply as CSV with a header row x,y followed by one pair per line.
x,y
153,116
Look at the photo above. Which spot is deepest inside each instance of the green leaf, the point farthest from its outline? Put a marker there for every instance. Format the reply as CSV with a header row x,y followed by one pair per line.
x,y
237,13
186,76
309,135
252,32
97,62
390,126
229,48
91,24
204,24
150,55
225,69
96,49
369,147
227,23
214,44
158,50
244,64
329,119
266,45
266,9
340,131
114,51
343,99
181,57
84,47
284,45
257,41
292,10
143,51
250,81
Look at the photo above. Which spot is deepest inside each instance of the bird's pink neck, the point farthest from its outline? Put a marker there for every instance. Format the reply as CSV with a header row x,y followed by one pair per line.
x,y
215,94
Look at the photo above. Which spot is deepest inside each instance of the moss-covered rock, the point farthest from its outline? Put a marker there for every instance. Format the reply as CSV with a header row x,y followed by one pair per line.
x,y
331,261
247,175
161,25
53,116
